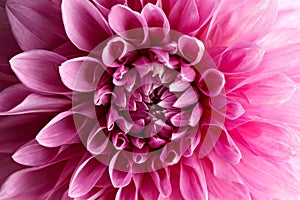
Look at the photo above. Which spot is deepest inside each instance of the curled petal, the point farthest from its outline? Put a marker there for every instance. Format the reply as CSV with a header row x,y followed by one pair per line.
x,y
191,49
128,24
115,52
189,97
212,82
157,21
81,74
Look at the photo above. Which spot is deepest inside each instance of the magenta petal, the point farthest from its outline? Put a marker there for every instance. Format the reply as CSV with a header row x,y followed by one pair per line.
x,y
227,149
115,51
189,97
121,19
38,70
157,21
60,130
36,24
212,82
81,74
33,154
191,49
161,179
85,177
192,178
17,99
84,24
241,57
190,19
30,183
120,178
128,192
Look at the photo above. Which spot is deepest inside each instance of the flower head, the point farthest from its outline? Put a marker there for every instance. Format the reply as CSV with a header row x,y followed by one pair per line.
x,y
149,100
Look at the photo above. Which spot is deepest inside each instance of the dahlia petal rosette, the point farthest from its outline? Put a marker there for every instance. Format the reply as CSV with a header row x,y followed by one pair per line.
x,y
157,99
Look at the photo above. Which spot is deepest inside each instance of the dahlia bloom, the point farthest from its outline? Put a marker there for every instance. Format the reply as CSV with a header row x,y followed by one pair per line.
x,y
152,99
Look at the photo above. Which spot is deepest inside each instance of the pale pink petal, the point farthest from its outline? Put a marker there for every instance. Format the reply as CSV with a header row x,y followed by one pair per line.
x,y
279,38
267,89
84,24
38,70
189,97
254,169
36,24
236,22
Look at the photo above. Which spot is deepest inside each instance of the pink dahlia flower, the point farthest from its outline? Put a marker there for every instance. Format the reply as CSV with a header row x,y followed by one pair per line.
x,y
157,99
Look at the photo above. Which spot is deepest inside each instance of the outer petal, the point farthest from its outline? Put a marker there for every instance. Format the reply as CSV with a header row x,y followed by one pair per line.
x,y
17,99
33,154
38,70
30,183
84,24
36,24
85,177
60,130
236,21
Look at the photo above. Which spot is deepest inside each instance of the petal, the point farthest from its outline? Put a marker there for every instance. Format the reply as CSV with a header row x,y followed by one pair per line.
x,y
17,99
280,38
120,178
85,177
33,154
253,20
254,169
122,20
147,190
191,49
189,97
60,130
84,24
192,180
227,149
115,52
261,137
267,89
212,82
241,57
30,183
157,21
36,25
127,192
161,179
38,70
81,74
